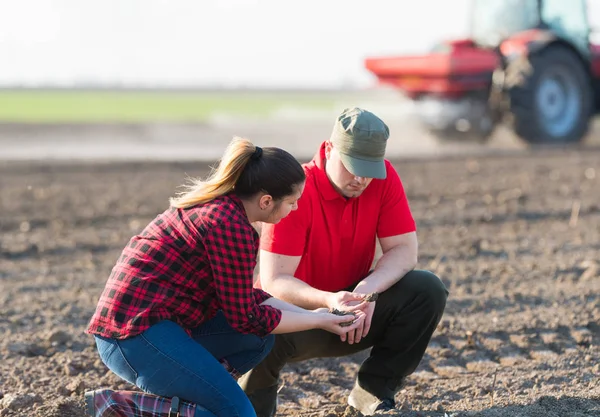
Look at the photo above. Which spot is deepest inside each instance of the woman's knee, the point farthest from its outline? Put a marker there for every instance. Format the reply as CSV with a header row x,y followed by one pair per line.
x,y
266,347
269,342
211,387
260,354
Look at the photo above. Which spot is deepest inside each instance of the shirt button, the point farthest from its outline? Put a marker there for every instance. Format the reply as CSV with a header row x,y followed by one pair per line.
x,y
251,316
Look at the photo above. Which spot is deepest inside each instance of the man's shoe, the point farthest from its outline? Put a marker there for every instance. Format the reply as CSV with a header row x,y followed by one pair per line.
x,y
264,401
386,405
367,403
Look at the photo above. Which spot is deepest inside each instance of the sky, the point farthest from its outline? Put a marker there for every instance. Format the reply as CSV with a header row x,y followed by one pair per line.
x,y
215,43
230,43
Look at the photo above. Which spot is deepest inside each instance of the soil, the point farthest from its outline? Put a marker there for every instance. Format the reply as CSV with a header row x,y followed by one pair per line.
x,y
515,237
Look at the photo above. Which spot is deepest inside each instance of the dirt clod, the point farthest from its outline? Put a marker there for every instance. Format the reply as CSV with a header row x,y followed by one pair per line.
x,y
343,313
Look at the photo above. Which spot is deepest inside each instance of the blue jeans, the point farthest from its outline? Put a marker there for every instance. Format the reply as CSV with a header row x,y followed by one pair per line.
x,y
164,360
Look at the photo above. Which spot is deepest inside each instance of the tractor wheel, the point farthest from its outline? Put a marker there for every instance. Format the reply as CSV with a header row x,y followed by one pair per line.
x,y
549,97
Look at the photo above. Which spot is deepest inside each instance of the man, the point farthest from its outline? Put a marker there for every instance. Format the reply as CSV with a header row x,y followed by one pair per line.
x,y
321,255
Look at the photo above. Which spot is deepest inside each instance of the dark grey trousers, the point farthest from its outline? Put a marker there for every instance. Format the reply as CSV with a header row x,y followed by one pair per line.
x,y
405,317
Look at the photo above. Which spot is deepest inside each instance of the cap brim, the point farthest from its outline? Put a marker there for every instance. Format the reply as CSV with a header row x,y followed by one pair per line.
x,y
364,168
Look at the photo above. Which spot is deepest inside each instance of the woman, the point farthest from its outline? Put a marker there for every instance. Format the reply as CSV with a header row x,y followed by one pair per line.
x,y
179,315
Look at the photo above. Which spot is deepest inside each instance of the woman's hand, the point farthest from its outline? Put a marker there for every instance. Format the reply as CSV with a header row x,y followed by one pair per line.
x,y
340,324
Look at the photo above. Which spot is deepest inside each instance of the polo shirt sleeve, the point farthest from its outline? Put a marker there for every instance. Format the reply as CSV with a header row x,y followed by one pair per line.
x,y
288,237
231,253
395,217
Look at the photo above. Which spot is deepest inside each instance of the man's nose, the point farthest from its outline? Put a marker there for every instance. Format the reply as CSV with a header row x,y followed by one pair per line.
x,y
360,180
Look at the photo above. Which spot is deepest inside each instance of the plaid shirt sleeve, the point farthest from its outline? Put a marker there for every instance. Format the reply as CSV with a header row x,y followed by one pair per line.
x,y
231,249
260,296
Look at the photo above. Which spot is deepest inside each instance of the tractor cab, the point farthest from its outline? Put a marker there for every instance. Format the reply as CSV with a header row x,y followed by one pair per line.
x,y
494,21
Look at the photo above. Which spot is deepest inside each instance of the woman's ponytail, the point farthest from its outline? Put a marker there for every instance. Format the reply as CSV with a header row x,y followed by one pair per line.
x,y
246,170
222,180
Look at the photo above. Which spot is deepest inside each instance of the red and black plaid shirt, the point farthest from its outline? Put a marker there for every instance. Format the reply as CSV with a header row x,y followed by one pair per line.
x,y
185,266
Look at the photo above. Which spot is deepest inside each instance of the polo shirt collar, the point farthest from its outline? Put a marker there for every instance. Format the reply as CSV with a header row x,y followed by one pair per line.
x,y
323,184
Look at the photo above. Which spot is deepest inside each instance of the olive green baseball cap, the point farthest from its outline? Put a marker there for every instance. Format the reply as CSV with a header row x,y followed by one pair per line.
x,y
360,137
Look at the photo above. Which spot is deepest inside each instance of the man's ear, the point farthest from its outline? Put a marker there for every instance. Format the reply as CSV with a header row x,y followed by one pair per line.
x,y
328,149
265,202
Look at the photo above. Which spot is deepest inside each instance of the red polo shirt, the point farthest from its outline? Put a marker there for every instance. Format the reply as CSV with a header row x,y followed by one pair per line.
x,y
336,236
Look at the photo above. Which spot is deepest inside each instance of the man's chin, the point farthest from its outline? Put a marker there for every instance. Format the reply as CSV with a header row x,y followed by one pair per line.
x,y
354,194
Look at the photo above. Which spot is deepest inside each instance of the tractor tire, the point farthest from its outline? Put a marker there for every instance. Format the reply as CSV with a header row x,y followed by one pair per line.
x,y
549,97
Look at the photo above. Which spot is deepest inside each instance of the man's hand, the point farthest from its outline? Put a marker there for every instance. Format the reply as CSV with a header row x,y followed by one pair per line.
x,y
366,307
357,302
340,323
368,310
346,301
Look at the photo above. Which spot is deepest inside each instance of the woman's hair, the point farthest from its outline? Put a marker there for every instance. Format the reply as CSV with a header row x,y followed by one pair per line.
x,y
245,169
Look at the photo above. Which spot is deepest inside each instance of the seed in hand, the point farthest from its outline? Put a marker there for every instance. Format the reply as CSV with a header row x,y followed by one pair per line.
x,y
343,313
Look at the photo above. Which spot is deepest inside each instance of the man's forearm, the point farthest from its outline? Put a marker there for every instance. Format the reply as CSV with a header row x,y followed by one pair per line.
x,y
295,291
390,268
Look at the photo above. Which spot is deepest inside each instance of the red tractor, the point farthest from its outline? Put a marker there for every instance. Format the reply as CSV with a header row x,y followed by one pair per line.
x,y
529,63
